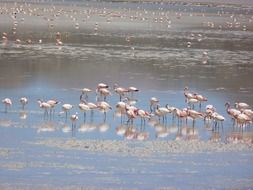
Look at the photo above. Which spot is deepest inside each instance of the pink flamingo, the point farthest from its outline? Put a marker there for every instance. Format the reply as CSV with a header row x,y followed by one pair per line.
x,y
120,91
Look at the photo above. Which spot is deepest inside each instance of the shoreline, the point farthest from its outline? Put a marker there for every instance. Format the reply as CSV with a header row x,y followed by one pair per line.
x,y
209,3
144,148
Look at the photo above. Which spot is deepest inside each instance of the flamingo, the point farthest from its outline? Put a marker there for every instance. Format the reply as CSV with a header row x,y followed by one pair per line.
x,y
232,112
143,115
103,107
132,89
121,109
91,105
52,103
102,90
187,94
23,101
84,108
7,103
192,102
102,85
131,113
120,91
74,119
153,102
171,108
241,105
45,106
162,112
200,98
85,92
181,114
242,119
66,108
194,115
218,119
248,112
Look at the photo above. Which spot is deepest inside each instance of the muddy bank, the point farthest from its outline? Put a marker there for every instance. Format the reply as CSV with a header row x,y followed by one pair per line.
x,y
134,148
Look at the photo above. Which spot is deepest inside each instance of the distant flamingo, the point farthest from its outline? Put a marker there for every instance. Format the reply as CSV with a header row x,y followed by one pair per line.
x,y
52,103
200,98
120,91
162,112
153,103
194,115
218,119
73,119
132,89
187,94
131,113
7,103
103,107
181,114
45,106
120,109
66,108
23,101
242,120
84,108
232,112
241,105
102,90
85,92
143,115
248,112
192,102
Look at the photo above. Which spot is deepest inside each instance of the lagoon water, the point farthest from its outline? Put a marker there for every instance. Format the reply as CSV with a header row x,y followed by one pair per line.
x,y
156,47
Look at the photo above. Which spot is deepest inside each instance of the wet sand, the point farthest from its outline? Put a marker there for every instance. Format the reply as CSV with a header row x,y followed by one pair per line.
x,y
148,148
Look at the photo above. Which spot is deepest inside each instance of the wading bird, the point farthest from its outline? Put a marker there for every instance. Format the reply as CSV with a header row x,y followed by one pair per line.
x,y
7,103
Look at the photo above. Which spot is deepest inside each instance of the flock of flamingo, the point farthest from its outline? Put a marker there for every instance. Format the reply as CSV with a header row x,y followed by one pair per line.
x,y
126,109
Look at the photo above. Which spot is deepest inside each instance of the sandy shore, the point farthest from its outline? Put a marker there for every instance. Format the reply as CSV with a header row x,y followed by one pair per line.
x,y
147,148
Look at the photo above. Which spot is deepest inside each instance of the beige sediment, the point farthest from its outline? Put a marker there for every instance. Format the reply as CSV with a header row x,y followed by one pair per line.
x,y
146,148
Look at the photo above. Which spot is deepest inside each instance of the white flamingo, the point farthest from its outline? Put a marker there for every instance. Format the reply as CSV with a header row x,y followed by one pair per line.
x,y
74,119
132,89
153,103
84,108
23,101
103,107
52,103
85,91
7,103
66,108
241,105
218,119
161,112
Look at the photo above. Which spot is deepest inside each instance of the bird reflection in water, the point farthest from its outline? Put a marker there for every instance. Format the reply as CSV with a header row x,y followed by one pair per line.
x,y
46,127
103,127
23,115
240,137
